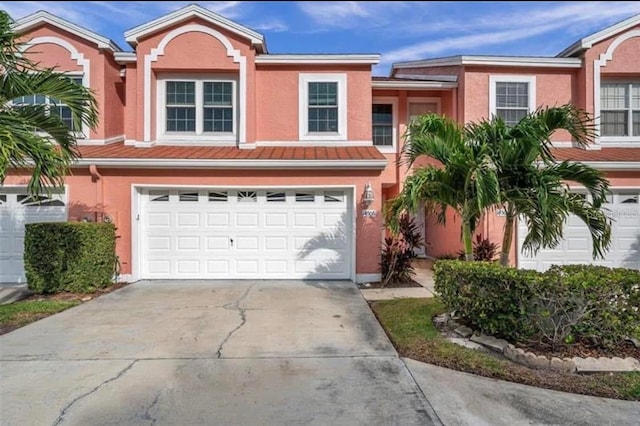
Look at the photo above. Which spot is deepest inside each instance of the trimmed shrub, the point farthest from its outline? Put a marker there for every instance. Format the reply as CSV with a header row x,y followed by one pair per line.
x,y
490,297
69,256
595,305
611,297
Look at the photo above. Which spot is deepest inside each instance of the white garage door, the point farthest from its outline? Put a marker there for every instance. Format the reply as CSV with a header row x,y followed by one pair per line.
x,y
246,233
17,208
624,209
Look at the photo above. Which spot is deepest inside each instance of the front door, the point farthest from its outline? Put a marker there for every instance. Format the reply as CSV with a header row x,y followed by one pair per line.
x,y
416,109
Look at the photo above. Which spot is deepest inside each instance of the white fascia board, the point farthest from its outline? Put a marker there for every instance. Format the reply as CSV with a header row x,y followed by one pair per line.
x,y
501,61
317,59
589,41
193,10
125,57
233,164
42,16
611,165
417,85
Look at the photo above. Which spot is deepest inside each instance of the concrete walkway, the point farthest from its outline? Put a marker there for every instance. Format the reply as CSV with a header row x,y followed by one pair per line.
x,y
10,293
225,352
424,277
464,399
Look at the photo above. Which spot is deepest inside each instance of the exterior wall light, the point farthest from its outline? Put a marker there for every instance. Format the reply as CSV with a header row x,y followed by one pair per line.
x,y
368,196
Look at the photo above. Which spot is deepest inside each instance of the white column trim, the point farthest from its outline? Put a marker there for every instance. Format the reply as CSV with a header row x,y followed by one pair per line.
x,y
75,55
597,65
158,51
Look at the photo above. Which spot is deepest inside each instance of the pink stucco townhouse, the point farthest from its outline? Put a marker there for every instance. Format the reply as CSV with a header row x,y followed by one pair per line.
x,y
217,159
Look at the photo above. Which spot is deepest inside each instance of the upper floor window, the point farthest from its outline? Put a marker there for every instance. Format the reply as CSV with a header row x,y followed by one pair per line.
x,y
323,106
620,109
203,107
52,106
512,97
383,122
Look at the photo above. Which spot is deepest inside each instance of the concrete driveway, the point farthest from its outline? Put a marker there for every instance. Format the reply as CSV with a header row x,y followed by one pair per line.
x,y
221,352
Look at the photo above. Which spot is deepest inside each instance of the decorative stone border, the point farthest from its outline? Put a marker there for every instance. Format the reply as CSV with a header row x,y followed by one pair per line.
x,y
531,360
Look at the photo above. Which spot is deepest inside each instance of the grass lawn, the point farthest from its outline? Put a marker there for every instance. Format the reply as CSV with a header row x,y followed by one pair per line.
x,y
408,322
18,314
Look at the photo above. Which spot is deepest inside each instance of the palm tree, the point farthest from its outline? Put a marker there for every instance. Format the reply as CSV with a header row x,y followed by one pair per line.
x,y
534,187
32,137
466,181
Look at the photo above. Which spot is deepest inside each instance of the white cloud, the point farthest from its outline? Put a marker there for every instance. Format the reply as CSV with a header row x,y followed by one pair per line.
x,y
274,26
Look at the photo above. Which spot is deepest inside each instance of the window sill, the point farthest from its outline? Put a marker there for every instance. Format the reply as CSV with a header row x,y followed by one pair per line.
x,y
620,141
328,136
385,149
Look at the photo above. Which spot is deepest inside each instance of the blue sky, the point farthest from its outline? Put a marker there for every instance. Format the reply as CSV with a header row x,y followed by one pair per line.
x,y
398,30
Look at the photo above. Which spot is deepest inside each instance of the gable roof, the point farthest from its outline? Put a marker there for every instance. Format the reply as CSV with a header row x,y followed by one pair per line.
x,y
193,10
588,41
43,17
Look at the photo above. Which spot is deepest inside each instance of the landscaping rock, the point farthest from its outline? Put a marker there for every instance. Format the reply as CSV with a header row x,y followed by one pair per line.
x,y
86,298
441,319
515,354
540,362
635,342
463,331
562,365
605,365
466,343
490,342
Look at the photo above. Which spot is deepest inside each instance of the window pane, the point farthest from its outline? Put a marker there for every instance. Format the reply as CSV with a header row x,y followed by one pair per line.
x,y
382,114
512,95
247,196
64,112
636,123
305,197
323,93
221,196
333,197
180,119
614,123
188,196
511,116
614,96
383,135
218,120
277,197
323,119
181,92
218,93
635,96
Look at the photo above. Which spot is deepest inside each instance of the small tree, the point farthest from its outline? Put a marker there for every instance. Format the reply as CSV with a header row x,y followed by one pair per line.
x,y
466,181
398,252
31,136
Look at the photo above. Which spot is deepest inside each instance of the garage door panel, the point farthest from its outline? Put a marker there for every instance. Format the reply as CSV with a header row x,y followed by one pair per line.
x,y
577,246
277,236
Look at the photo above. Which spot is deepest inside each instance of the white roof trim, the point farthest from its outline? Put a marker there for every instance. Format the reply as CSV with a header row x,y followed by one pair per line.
x,y
318,59
378,84
501,61
193,10
241,163
30,21
612,165
589,41
123,57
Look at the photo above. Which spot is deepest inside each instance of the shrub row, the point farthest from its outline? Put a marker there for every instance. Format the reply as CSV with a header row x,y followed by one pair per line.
x,y
595,305
69,256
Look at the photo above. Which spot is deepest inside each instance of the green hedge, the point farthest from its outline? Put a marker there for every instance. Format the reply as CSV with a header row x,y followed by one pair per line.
x,y
69,256
592,304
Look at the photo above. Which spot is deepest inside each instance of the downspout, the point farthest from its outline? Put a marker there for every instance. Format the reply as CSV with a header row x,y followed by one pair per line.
x,y
95,177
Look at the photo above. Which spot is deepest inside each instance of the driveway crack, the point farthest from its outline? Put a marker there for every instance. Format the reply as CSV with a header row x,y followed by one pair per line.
x,y
147,413
235,306
66,409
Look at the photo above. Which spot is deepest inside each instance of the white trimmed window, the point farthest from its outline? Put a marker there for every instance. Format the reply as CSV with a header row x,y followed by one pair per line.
x,y
511,97
620,109
200,106
384,123
53,106
323,107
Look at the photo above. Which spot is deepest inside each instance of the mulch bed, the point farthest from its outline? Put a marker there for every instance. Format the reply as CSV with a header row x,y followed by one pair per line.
x,y
378,284
82,297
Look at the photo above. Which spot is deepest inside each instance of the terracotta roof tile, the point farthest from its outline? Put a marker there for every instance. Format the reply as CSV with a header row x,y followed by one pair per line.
x,y
604,154
119,150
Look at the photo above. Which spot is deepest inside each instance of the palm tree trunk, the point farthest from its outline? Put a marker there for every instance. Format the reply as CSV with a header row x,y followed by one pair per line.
x,y
467,240
507,238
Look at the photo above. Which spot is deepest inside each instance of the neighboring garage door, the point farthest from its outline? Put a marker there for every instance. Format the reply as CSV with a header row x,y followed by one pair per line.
x,y
17,208
246,233
624,209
